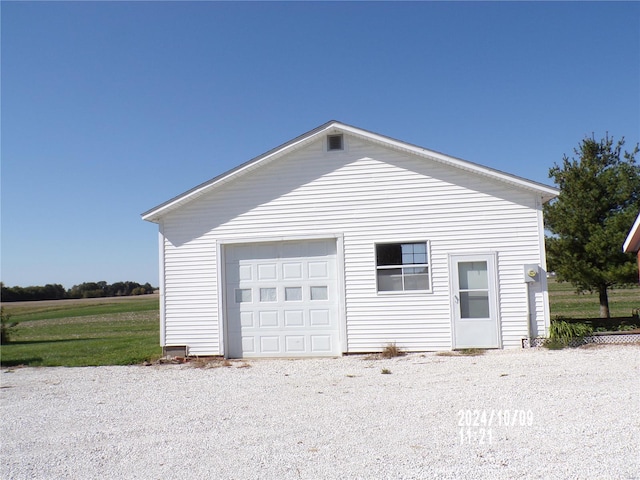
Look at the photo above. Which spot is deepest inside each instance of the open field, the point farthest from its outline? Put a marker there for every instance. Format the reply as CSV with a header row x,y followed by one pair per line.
x,y
49,309
100,331
565,302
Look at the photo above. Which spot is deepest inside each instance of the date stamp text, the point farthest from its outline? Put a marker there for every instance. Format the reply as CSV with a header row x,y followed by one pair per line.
x,y
477,426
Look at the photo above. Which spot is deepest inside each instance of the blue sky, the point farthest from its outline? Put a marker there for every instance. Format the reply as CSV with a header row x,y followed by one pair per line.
x,y
110,108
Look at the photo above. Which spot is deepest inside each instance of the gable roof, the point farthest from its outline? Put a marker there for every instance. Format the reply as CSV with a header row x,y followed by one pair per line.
x,y
333,126
632,243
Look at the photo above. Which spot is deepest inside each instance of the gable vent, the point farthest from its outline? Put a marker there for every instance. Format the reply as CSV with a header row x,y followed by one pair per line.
x,y
335,142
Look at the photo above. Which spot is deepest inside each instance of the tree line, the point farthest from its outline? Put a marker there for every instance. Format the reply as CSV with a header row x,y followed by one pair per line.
x,y
84,290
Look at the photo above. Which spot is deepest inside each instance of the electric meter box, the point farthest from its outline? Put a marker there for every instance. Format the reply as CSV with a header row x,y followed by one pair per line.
x,y
531,273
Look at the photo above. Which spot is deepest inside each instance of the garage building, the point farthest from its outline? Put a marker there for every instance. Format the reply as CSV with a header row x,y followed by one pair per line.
x,y
343,241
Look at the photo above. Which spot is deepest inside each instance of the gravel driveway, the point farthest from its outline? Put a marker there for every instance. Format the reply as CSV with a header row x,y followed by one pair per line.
x,y
506,414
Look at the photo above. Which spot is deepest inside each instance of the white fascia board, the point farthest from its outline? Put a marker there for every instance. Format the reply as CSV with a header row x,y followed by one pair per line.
x,y
632,243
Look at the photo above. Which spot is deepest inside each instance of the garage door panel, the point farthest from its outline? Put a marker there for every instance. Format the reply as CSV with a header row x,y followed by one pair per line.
x,y
268,294
294,318
268,319
319,318
246,319
267,272
293,294
321,344
282,299
292,271
241,295
319,292
318,269
237,272
269,344
248,345
245,272
295,343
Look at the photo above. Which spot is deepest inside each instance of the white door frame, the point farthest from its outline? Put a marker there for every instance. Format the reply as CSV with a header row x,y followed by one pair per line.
x,y
494,338
221,278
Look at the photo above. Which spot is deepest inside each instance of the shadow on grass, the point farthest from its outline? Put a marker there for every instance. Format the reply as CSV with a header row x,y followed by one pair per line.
x,y
33,342
20,362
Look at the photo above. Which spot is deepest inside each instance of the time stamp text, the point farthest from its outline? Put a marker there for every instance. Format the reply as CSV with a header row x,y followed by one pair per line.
x,y
477,426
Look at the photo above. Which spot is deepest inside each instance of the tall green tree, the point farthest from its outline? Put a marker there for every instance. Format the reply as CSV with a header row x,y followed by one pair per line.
x,y
598,203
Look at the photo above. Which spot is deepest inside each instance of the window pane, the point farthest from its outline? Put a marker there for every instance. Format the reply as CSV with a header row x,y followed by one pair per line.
x,y
416,282
415,270
414,258
420,258
293,294
243,295
390,280
267,294
420,248
388,254
407,253
414,253
473,275
319,293
416,278
474,304
401,254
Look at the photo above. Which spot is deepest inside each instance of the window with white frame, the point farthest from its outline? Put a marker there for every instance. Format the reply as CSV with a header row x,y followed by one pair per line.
x,y
402,267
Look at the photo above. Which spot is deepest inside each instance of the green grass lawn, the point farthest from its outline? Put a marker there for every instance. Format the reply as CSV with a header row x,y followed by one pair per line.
x,y
565,302
83,333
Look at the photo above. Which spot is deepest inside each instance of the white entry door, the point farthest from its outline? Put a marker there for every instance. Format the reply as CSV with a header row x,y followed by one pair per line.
x,y
474,301
282,299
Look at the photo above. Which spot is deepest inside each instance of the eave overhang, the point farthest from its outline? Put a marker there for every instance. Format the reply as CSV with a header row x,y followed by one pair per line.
x,y
632,243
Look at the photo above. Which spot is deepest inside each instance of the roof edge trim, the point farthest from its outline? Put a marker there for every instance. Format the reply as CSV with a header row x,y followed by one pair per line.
x,y
633,239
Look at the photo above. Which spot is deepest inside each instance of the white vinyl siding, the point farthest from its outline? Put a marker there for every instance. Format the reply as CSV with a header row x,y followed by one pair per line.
x,y
367,194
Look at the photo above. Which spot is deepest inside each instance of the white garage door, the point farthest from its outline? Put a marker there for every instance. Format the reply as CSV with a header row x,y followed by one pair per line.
x,y
282,299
